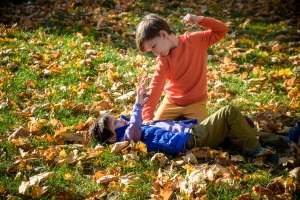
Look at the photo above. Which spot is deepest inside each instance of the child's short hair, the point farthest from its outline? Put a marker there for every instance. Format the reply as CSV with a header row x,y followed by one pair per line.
x,y
149,28
100,130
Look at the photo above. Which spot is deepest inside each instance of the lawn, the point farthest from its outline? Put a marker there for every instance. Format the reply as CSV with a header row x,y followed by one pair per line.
x,y
65,63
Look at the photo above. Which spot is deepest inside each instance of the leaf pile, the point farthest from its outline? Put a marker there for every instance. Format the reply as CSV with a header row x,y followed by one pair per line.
x,y
64,63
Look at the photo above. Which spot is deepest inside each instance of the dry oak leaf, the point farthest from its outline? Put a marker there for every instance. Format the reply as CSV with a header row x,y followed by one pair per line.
x,y
106,179
160,157
229,67
237,158
285,160
222,157
34,180
198,152
264,119
95,151
129,178
262,191
266,152
295,173
20,132
246,196
132,156
38,191
118,147
190,158
195,182
138,147
125,97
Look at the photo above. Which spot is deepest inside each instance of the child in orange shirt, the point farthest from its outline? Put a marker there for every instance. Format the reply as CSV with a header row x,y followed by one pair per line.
x,y
182,61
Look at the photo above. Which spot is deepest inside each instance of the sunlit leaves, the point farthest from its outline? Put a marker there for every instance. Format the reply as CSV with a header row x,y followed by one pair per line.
x,y
85,72
34,181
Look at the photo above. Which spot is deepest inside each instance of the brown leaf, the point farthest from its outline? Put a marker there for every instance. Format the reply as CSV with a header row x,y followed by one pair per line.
x,y
198,152
277,47
295,173
285,160
20,132
106,179
38,191
118,147
162,159
190,158
95,151
262,191
34,180
246,196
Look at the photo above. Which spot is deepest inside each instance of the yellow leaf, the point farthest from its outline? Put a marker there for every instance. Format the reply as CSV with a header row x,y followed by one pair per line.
x,y
36,124
62,154
189,168
68,176
247,41
285,72
2,189
227,59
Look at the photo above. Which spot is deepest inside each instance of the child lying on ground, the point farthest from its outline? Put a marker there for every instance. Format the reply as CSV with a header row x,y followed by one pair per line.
x,y
176,137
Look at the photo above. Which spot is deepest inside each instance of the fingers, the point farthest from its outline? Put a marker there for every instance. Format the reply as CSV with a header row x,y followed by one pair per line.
x,y
148,122
144,80
187,19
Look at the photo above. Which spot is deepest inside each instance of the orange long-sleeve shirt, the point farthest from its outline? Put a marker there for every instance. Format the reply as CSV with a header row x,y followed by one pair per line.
x,y
185,68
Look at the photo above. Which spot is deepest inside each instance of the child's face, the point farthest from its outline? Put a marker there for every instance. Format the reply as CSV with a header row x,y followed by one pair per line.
x,y
160,45
115,123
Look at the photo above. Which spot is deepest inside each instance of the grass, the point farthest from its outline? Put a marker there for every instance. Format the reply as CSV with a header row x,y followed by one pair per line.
x,y
48,70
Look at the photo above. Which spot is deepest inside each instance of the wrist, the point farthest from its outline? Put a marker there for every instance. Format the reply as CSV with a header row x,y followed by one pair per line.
x,y
200,18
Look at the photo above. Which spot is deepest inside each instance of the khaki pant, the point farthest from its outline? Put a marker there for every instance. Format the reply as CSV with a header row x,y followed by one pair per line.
x,y
171,111
229,122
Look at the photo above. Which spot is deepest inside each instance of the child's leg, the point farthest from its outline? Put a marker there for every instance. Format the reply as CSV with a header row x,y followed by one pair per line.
x,y
227,122
168,110
196,110
266,138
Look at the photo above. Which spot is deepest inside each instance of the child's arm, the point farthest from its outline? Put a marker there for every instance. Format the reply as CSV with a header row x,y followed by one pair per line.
x,y
156,88
134,130
217,29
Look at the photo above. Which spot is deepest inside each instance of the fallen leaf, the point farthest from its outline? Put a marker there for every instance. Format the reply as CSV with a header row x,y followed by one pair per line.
x,y
118,147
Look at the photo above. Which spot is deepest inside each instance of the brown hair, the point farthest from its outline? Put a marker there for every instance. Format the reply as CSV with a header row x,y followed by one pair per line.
x,y
149,28
100,130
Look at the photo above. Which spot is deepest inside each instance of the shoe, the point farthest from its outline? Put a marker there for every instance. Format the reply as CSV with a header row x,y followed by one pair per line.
x,y
273,158
264,152
252,156
294,133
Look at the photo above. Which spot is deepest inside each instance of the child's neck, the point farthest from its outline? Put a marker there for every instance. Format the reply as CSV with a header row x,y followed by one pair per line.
x,y
174,41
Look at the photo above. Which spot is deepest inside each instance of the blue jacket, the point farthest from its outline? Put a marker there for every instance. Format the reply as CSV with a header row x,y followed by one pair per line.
x,y
160,137
160,140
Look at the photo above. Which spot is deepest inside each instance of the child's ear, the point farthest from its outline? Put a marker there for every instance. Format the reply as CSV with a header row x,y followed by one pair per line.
x,y
163,33
111,140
